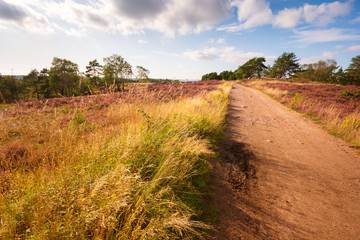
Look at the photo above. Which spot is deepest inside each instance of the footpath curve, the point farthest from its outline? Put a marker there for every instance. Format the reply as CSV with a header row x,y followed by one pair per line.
x,y
282,176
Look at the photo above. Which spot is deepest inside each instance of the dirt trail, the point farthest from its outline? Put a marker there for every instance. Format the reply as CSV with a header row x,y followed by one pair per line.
x,y
282,176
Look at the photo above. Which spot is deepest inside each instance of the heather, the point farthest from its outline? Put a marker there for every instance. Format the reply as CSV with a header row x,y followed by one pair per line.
x,y
129,165
336,106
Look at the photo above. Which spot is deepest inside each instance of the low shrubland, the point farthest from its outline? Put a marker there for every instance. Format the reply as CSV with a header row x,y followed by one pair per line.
x,y
336,107
127,166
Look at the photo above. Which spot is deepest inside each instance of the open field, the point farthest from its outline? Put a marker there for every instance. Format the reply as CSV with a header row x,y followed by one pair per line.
x,y
127,165
336,107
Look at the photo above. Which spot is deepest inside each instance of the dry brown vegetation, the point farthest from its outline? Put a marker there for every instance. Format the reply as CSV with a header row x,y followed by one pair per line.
x,y
118,166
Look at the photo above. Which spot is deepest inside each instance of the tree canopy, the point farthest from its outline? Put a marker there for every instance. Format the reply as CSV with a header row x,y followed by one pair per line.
x,y
211,76
252,68
93,72
64,76
142,74
285,66
321,71
354,71
116,71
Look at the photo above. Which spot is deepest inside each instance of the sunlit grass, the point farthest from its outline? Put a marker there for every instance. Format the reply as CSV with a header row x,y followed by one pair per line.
x,y
126,171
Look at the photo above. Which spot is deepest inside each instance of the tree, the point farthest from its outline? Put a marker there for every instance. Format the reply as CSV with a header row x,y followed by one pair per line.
x,y
9,88
340,77
322,71
353,71
45,87
64,76
93,72
252,68
211,76
2,87
33,82
142,74
285,66
227,75
117,71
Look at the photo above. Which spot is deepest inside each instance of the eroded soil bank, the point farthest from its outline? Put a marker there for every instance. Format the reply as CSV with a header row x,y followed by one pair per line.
x,y
282,176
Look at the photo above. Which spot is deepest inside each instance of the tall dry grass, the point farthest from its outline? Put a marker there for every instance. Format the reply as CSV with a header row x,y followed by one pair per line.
x,y
127,171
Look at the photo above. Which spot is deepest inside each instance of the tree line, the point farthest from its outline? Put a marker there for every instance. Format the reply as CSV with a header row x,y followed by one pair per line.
x,y
64,79
287,66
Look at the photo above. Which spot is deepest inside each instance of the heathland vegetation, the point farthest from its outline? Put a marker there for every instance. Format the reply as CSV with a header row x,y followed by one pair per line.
x,y
125,165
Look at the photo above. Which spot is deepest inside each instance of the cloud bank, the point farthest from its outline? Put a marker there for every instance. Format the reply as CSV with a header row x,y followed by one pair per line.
x,y
255,13
169,17
125,16
12,14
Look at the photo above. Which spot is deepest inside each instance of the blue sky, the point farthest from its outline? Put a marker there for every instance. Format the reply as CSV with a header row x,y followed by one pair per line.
x,y
175,39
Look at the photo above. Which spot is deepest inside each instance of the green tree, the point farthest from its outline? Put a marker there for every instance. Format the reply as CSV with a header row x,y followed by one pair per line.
x,y
322,71
93,72
45,87
142,74
227,75
285,66
2,87
340,76
64,76
9,89
353,71
252,68
117,71
211,76
33,82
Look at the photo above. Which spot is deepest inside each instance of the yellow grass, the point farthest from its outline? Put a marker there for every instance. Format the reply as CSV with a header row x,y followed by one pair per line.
x,y
137,172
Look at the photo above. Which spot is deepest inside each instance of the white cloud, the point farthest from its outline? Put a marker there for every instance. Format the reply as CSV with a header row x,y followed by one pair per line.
x,y
356,20
169,16
221,41
141,41
325,13
166,16
207,54
20,15
327,35
180,66
288,18
354,48
239,57
314,59
254,13
226,54
125,16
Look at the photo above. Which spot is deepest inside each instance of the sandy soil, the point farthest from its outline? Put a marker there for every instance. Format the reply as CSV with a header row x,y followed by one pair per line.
x,y
282,176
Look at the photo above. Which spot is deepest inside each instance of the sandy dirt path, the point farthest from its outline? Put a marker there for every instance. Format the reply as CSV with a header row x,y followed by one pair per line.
x,y
282,176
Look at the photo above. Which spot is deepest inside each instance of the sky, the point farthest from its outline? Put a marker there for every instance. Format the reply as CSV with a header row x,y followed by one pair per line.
x,y
175,39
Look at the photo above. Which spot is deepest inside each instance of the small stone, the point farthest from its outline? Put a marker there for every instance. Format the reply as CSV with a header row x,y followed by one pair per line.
x,y
269,141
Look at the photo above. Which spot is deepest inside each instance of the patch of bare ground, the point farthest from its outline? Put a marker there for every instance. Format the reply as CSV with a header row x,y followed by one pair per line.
x,y
282,176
